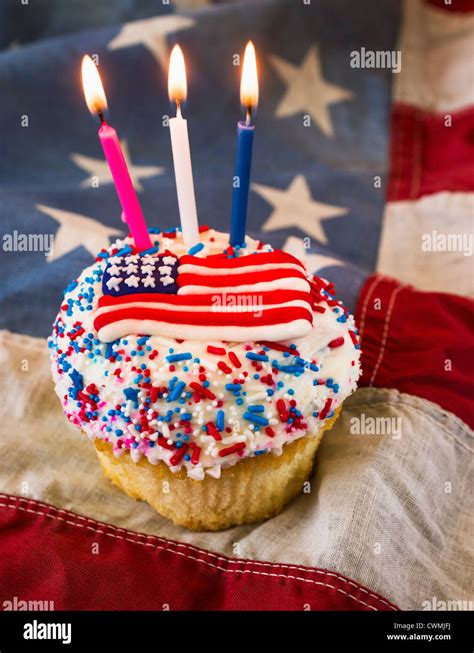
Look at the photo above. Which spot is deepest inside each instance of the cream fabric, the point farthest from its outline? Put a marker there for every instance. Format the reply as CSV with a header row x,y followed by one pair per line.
x,y
393,513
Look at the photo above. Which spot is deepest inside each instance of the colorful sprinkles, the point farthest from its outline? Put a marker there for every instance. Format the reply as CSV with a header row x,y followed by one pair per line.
x,y
190,403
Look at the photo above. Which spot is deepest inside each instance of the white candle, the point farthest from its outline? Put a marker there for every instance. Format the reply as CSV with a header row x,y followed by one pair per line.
x,y
177,88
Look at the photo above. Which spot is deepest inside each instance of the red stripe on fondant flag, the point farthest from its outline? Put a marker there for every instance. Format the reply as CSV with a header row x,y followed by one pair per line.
x,y
418,342
428,156
219,261
268,317
80,564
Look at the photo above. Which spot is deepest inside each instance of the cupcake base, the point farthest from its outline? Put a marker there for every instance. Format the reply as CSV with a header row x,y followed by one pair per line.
x,y
250,491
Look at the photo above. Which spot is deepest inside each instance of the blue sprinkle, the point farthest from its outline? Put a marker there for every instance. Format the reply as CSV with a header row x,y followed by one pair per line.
x,y
177,390
186,416
291,369
195,249
220,420
256,357
154,230
232,387
131,394
257,409
123,252
76,378
178,357
256,419
151,250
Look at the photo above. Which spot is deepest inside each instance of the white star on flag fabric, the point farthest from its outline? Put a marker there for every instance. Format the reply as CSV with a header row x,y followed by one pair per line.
x,y
100,169
76,230
152,33
294,207
307,90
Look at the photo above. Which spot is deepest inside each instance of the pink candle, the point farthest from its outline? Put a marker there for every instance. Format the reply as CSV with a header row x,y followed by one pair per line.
x,y
97,103
127,195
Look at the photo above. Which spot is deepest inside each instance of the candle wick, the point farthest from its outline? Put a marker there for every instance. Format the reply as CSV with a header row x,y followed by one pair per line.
x,y
178,108
248,115
101,115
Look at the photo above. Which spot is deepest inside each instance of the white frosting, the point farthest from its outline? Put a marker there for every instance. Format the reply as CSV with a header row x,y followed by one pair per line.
x,y
339,364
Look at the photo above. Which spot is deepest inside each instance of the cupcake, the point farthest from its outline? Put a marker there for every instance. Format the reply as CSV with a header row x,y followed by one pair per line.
x,y
206,378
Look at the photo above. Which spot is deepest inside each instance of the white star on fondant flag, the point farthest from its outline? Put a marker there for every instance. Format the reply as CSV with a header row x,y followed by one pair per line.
x,y
307,90
152,33
294,207
99,168
77,230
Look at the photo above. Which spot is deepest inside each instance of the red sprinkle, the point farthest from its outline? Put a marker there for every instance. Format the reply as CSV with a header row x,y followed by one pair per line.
x,y
319,309
225,368
164,443
239,446
337,342
195,455
353,337
278,347
281,407
219,351
270,432
212,430
202,391
234,359
178,456
326,408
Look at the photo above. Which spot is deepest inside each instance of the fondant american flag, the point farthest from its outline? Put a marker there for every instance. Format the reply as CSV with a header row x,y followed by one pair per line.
x,y
255,296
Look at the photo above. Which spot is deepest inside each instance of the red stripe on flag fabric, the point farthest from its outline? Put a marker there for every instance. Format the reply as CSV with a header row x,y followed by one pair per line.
x,y
428,157
455,6
207,317
418,342
48,554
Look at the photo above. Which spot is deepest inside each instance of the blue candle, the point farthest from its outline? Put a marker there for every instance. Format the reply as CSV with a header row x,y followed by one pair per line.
x,y
243,163
240,194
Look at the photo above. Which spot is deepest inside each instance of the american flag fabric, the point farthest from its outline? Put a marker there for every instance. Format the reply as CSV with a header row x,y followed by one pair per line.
x,y
365,172
259,296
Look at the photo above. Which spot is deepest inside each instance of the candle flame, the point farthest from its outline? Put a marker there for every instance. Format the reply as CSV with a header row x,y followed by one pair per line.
x,y
249,82
177,84
93,89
